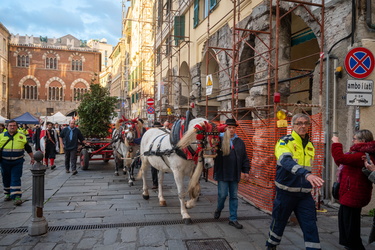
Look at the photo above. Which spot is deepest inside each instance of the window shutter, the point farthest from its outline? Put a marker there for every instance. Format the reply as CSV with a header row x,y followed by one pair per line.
x,y
179,28
212,4
196,13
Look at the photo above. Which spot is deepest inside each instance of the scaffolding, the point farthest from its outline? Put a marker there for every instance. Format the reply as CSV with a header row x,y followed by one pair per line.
x,y
251,46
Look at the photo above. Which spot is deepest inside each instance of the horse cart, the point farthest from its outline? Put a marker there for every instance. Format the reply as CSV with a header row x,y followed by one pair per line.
x,y
95,150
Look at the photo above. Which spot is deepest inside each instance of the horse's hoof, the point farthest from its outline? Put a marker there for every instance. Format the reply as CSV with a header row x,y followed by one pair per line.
x,y
146,197
188,221
116,174
163,203
124,172
131,184
133,179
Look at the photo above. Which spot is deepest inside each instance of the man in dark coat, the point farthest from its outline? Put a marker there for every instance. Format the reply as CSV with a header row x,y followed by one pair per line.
x,y
227,173
69,137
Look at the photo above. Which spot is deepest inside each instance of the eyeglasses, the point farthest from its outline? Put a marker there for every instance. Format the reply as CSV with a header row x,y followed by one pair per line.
x,y
302,124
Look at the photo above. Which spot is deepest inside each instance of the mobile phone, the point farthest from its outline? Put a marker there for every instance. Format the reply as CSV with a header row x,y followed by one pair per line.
x,y
368,158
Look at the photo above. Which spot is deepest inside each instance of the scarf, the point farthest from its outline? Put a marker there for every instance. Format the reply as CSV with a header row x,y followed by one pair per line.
x,y
70,133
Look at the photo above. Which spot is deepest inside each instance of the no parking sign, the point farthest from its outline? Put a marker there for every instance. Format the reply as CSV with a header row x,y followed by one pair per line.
x,y
359,62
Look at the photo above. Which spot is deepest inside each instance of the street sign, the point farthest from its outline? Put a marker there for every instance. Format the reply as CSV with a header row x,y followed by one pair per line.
x,y
150,101
360,86
358,99
150,110
359,62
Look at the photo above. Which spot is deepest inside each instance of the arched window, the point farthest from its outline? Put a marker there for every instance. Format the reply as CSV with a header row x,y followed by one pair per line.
x,y
79,90
78,93
55,92
51,63
23,61
29,90
77,65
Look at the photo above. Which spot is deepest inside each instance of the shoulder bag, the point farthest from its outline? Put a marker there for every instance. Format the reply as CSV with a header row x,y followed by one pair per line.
x,y
1,150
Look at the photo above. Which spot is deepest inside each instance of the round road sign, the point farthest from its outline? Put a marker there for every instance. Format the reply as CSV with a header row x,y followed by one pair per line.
x,y
359,62
150,101
150,110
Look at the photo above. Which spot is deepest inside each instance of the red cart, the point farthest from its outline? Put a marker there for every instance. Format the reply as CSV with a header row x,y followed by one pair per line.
x,y
95,150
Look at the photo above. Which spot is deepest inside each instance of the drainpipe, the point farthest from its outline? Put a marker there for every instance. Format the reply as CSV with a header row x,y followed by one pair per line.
x,y
327,134
332,166
369,23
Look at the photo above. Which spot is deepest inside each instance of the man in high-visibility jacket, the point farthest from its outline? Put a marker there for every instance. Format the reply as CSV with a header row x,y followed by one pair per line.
x,y
294,183
13,145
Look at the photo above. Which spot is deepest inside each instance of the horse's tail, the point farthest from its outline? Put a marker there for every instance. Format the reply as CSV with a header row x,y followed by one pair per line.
x,y
225,145
189,137
143,167
194,187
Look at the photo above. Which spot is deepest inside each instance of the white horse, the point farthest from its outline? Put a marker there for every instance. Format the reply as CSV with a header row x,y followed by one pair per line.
x,y
124,147
158,151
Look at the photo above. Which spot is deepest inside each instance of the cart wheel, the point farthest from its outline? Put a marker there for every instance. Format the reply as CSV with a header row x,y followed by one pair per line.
x,y
106,157
84,157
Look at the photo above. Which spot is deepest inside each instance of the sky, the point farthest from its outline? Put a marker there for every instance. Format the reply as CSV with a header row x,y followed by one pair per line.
x,y
83,19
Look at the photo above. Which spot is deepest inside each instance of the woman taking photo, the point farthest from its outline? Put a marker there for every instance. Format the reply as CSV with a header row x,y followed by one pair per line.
x,y
355,189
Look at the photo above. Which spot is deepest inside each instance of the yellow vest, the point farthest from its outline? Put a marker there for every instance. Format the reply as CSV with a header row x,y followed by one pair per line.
x,y
14,149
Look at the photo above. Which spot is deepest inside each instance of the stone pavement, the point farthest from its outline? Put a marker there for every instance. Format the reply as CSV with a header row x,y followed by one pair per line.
x,y
97,210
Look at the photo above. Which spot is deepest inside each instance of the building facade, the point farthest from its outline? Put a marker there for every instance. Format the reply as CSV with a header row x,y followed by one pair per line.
x,y
50,75
138,42
4,41
251,59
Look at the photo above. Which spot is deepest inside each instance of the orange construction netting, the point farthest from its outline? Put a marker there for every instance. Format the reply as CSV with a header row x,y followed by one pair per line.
x,y
260,137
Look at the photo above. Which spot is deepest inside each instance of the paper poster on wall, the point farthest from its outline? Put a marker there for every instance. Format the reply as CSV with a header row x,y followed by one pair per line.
x,y
209,85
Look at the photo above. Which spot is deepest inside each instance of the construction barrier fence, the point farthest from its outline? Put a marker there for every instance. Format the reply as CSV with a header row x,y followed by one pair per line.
x,y
260,137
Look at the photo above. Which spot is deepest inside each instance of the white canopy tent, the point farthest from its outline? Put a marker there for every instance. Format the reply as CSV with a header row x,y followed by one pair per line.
x,y
58,118
3,119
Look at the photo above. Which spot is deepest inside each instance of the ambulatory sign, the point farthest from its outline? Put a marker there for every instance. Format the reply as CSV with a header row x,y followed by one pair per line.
x,y
360,86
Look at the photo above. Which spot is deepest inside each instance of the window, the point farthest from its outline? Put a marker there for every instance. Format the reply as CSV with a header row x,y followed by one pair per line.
x,y
202,9
51,63
4,84
23,61
4,45
196,13
29,92
160,13
168,48
55,93
78,93
179,29
49,111
77,65
158,56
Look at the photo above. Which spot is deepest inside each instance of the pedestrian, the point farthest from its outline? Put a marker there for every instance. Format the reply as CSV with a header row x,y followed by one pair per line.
x,y
2,128
154,171
12,147
51,145
370,172
294,182
355,188
69,137
227,173
36,137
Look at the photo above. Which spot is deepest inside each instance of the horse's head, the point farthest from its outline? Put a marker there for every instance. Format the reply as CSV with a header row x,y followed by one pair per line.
x,y
206,136
129,133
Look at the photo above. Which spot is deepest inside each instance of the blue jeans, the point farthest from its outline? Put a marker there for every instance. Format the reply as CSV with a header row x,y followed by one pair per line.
x,y
11,172
223,188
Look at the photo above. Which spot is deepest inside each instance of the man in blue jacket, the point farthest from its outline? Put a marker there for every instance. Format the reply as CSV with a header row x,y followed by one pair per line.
x,y
294,182
227,173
